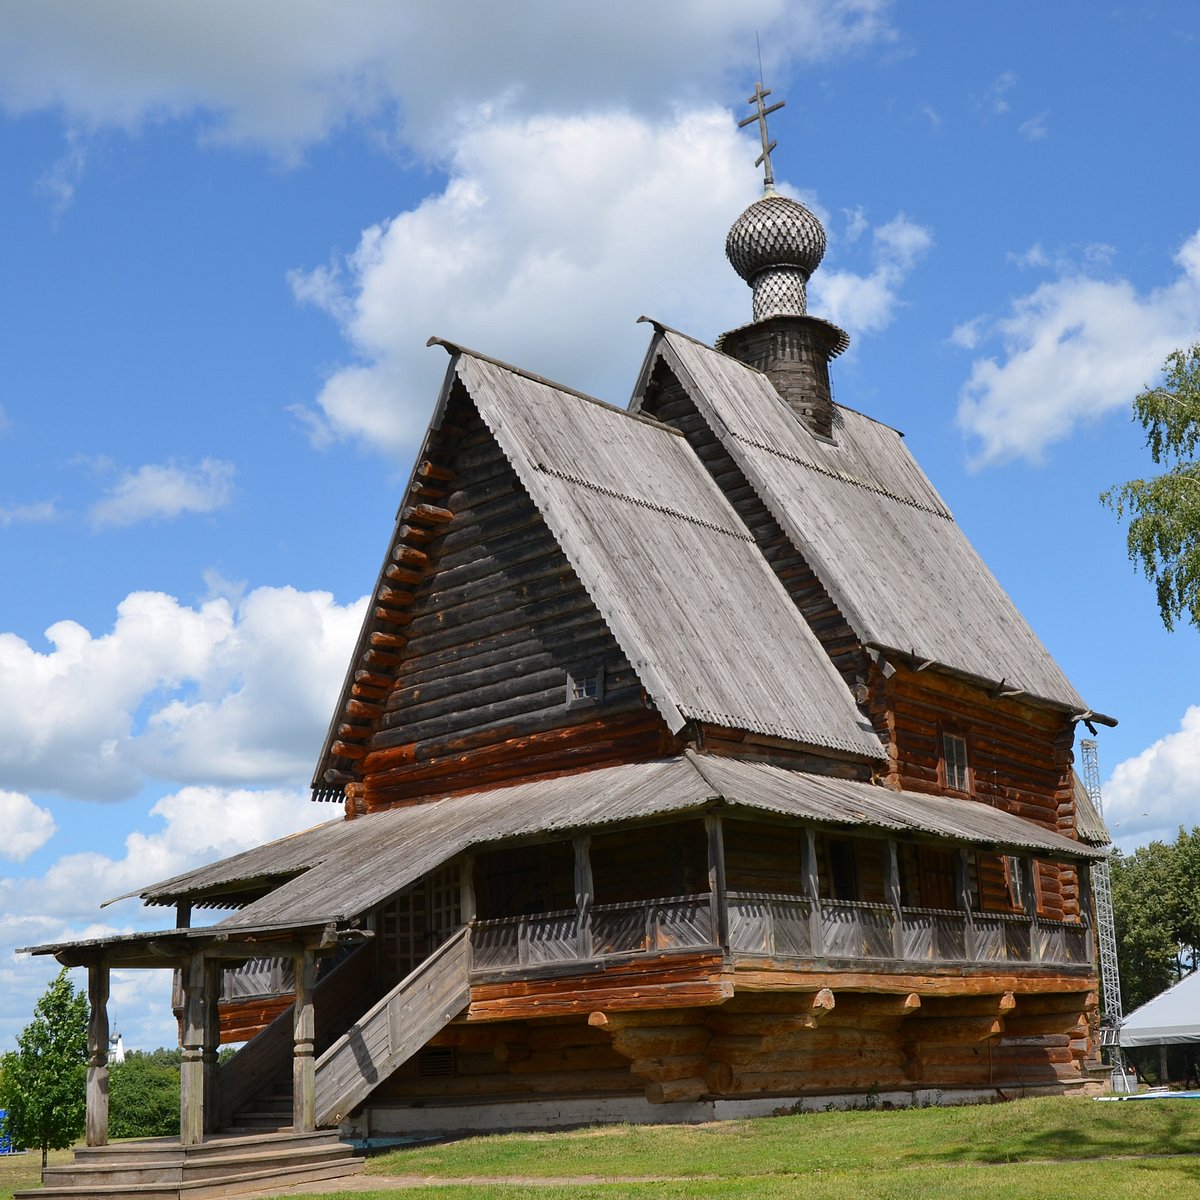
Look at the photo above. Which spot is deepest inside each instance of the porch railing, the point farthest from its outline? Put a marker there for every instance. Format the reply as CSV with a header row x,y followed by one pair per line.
x,y
779,925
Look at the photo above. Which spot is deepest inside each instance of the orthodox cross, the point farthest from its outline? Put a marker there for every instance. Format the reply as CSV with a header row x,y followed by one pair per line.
x,y
764,159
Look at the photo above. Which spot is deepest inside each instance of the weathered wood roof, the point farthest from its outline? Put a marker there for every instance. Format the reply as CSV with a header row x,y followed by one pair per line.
x,y
704,621
1089,822
342,869
872,527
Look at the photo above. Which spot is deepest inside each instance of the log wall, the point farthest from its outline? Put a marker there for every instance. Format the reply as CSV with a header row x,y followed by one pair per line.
x,y
803,1042
493,621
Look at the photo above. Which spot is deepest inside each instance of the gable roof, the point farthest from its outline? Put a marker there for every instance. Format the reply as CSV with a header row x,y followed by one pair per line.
x,y
710,631
705,624
340,869
871,526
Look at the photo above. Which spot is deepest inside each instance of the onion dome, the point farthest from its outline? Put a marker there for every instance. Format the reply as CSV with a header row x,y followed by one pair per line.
x,y
775,245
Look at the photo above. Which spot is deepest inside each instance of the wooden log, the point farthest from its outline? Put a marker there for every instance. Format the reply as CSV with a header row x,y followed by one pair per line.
x,y
927,1030
364,691
353,733
378,659
683,1066
389,641
410,555
414,533
971,1006
393,616
398,574
660,1042
429,513
361,708
633,1019
429,470
390,597
341,749
674,1091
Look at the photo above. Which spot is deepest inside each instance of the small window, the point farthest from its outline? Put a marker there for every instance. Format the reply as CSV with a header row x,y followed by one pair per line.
x,y
843,875
954,758
1014,878
585,685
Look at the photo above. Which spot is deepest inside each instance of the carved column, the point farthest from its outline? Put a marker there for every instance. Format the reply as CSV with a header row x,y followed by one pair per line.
x,y
584,889
963,871
211,1046
97,1069
893,897
812,890
191,1040
716,879
304,1066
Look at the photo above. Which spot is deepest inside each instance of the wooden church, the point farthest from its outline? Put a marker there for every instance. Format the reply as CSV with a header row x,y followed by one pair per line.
x,y
692,764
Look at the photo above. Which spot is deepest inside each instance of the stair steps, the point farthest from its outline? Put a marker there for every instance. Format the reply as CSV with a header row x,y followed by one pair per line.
x,y
223,1165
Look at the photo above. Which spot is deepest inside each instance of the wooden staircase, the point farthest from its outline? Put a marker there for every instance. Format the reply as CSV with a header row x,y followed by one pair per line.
x,y
162,1169
257,1149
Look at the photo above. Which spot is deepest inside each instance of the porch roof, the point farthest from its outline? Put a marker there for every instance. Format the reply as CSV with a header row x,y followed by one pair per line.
x,y
339,870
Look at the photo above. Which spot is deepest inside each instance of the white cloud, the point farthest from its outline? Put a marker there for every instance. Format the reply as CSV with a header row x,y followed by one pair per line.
x,y
212,693
184,830
1073,349
20,514
572,224
283,74
996,98
1152,794
867,303
27,827
1035,129
163,491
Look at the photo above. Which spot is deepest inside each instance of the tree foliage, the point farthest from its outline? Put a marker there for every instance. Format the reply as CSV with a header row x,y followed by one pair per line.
x,y
1163,539
1156,908
44,1082
143,1095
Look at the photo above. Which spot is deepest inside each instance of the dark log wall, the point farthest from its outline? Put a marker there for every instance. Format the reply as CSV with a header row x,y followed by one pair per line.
x,y
650,863
493,624
787,1043
1019,759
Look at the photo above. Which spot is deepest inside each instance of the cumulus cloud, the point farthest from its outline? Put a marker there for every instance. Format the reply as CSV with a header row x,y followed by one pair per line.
x,y
283,74
164,490
1072,350
867,303
27,827
576,224
1152,794
1035,129
217,693
183,830
21,514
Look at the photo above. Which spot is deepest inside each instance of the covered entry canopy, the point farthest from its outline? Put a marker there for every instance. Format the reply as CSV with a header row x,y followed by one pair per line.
x,y
1173,1016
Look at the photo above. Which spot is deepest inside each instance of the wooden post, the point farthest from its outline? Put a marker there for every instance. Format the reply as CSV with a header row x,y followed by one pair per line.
x,y
97,1069
191,1066
1029,869
812,889
183,914
1163,1071
210,1050
892,884
304,1066
466,884
716,880
963,868
584,889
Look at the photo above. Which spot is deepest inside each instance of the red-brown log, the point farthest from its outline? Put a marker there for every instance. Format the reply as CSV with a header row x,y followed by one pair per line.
x,y
410,555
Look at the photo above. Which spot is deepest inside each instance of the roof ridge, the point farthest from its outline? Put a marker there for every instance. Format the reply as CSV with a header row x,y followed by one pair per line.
x,y
456,348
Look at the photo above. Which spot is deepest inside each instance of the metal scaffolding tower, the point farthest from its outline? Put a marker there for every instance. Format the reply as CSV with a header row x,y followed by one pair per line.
x,y
1111,1013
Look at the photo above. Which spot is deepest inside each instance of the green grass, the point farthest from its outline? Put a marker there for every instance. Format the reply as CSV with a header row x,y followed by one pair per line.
x,y
1027,1150
1042,1148
19,1171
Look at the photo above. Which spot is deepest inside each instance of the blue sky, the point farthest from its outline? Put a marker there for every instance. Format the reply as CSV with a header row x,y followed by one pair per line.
x,y
227,230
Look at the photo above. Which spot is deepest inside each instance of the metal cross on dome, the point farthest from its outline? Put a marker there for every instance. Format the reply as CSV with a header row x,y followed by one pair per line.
x,y
764,159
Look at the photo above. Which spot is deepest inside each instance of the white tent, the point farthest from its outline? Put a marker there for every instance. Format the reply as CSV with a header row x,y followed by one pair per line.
x,y
1173,1016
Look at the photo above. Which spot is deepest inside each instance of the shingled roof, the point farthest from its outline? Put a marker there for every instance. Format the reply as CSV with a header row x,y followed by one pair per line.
x,y
338,870
871,526
708,628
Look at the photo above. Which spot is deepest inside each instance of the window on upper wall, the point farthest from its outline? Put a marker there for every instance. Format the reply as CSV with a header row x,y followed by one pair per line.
x,y
585,685
954,763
